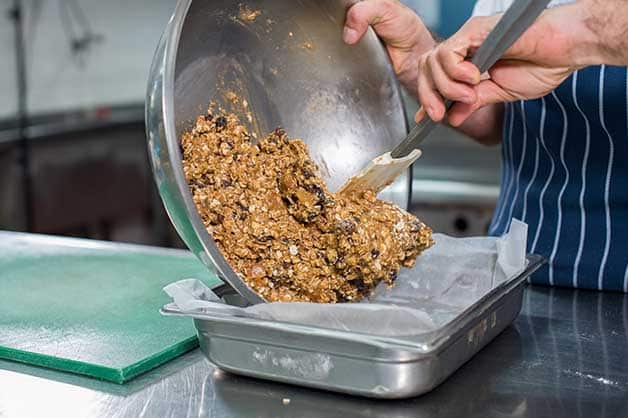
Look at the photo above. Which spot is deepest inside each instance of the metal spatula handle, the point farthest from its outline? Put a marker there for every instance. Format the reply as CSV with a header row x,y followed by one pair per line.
x,y
517,19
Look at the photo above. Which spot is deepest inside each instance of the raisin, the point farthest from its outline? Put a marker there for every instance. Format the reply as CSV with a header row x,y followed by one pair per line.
x,y
280,132
311,217
265,238
374,253
221,122
340,297
226,182
242,215
346,226
359,284
318,191
198,184
415,226
208,117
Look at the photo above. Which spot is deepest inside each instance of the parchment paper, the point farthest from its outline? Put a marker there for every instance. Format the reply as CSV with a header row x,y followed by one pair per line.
x,y
447,279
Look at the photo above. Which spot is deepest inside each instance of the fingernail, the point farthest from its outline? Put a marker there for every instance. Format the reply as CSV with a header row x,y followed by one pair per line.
x,y
430,112
420,114
349,35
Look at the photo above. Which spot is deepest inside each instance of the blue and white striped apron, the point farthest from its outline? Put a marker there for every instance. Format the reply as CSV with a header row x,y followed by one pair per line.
x,y
565,173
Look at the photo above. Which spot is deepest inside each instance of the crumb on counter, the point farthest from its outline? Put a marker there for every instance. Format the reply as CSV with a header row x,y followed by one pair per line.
x,y
270,213
247,14
232,97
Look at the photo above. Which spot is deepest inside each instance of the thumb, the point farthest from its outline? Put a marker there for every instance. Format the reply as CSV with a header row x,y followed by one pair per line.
x,y
360,16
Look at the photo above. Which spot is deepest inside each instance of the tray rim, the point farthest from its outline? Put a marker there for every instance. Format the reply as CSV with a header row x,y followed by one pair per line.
x,y
407,349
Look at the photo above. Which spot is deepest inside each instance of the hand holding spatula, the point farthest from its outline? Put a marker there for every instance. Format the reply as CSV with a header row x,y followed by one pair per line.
x,y
383,170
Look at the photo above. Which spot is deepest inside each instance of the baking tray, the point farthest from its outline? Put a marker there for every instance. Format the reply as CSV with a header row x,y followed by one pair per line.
x,y
355,363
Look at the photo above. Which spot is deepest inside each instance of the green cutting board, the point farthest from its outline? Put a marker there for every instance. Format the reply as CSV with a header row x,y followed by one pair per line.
x,y
91,307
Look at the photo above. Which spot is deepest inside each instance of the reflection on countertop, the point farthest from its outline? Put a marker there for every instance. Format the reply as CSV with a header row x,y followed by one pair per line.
x,y
565,356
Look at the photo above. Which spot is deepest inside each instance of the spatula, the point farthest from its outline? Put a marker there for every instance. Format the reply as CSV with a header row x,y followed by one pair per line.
x,y
383,170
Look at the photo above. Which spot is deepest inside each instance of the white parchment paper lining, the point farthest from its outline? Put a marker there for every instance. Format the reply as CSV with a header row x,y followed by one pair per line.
x,y
447,279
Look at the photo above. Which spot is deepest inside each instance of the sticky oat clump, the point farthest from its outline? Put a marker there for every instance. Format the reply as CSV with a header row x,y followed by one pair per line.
x,y
274,220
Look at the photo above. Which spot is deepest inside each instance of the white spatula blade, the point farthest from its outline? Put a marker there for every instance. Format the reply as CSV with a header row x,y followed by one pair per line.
x,y
379,173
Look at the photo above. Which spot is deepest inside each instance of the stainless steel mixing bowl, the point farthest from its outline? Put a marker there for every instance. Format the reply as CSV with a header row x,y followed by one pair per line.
x,y
289,63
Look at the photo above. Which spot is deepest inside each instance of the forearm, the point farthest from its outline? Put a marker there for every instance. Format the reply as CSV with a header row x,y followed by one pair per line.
x,y
608,20
595,32
598,29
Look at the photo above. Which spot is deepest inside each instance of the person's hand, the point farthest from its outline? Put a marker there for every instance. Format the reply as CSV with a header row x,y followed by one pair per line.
x,y
534,66
403,32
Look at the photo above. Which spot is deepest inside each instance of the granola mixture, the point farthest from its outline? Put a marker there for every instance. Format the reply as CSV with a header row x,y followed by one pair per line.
x,y
279,227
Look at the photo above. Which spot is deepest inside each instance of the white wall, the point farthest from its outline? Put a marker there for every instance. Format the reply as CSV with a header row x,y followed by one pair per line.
x,y
7,65
115,70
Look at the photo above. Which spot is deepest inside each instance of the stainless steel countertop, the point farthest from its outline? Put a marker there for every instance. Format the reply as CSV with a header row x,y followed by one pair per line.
x,y
565,356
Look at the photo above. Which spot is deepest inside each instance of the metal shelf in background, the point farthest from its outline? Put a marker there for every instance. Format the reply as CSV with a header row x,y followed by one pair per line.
x,y
46,126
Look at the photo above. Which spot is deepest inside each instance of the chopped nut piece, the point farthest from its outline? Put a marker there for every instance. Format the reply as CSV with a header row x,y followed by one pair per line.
x,y
232,97
247,14
281,230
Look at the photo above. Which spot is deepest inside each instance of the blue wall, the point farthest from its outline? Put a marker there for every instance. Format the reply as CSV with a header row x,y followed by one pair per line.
x,y
453,14
444,17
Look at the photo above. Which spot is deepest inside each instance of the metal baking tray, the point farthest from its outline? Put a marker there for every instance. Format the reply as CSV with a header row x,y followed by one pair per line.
x,y
354,363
